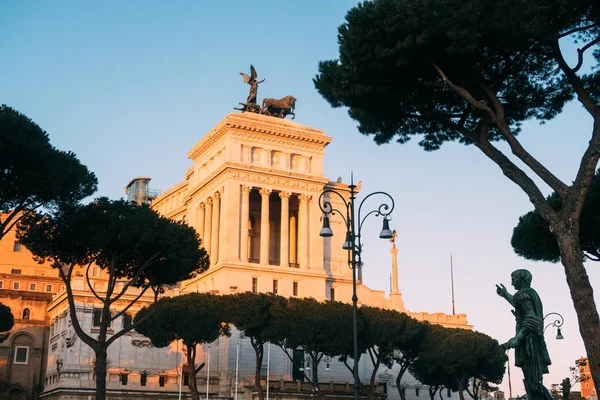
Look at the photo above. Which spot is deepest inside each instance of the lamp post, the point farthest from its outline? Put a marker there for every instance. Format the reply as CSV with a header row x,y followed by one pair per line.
x,y
353,244
558,323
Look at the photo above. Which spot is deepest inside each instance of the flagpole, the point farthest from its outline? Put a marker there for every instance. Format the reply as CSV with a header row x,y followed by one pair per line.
x,y
207,372
180,371
268,367
237,358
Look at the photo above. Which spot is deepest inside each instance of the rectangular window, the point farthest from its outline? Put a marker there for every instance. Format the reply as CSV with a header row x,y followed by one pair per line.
x,y
94,271
124,379
254,285
186,379
417,392
17,247
295,289
32,287
143,379
448,393
275,286
161,381
127,321
16,285
15,271
48,288
1,284
97,314
332,294
21,355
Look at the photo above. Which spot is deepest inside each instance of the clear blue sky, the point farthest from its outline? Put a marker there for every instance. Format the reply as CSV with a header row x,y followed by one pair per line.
x,y
131,86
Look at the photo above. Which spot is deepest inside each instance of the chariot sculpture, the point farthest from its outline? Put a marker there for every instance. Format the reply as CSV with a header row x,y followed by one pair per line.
x,y
273,107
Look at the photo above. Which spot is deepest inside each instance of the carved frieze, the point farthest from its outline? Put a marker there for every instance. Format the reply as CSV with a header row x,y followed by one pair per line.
x,y
141,343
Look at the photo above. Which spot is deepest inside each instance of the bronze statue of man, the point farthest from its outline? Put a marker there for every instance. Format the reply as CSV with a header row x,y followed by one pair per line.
x,y
531,354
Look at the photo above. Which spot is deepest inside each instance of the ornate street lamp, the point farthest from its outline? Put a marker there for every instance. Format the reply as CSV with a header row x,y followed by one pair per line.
x,y
558,323
353,244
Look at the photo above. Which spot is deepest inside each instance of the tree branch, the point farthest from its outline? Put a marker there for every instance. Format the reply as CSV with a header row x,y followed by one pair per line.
x,y
580,54
511,171
72,310
148,263
574,80
575,30
131,303
465,93
133,326
551,180
573,204
87,278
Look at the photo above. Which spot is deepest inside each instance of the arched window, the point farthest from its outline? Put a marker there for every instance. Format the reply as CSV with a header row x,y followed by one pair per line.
x,y
26,313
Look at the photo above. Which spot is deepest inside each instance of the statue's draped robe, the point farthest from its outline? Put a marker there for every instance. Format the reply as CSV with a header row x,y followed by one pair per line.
x,y
531,354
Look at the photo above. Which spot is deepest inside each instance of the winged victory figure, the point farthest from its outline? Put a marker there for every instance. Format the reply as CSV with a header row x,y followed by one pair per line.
x,y
253,82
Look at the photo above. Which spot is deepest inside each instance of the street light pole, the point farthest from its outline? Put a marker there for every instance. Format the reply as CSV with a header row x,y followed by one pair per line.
x,y
353,244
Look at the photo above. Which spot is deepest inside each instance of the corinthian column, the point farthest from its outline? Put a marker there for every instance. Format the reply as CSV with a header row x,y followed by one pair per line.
x,y
200,221
284,260
303,231
264,226
207,225
214,242
293,239
245,211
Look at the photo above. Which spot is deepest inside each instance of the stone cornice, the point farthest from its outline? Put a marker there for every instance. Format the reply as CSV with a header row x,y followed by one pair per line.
x,y
244,123
26,295
181,185
289,180
310,273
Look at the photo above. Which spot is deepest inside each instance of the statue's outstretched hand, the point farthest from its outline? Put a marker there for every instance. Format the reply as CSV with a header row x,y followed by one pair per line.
x,y
501,290
511,344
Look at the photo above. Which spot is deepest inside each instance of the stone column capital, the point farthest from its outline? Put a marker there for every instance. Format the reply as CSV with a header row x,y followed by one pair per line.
x,y
246,189
264,192
217,195
303,198
209,201
201,205
284,195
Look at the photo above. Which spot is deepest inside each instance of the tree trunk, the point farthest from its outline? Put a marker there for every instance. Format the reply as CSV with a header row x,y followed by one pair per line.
x,y
582,295
401,392
191,362
461,389
258,350
100,371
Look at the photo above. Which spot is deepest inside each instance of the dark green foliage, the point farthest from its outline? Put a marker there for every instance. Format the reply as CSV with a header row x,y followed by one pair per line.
x,y
193,318
385,73
6,318
252,313
385,334
318,327
127,240
453,357
33,173
408,344
533,240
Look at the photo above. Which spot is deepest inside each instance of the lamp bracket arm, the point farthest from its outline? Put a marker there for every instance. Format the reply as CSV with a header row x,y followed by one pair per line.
x,y
384,208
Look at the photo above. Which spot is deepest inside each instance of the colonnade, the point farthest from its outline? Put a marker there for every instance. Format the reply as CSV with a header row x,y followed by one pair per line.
x,y
294,238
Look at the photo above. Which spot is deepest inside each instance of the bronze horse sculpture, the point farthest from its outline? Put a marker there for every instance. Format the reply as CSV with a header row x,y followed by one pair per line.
x,y
279,107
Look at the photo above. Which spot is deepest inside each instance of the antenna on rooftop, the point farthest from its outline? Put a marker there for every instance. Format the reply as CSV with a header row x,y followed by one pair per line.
x,y
452,282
